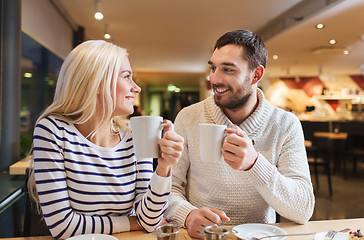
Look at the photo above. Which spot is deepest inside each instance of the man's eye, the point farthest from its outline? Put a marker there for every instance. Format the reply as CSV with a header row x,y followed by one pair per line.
x,y
213,69
228,70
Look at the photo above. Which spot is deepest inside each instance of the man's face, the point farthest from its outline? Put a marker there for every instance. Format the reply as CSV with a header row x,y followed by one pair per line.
x,y
230,77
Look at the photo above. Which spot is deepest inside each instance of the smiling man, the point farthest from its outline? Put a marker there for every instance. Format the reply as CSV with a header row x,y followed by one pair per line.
x,y
263,168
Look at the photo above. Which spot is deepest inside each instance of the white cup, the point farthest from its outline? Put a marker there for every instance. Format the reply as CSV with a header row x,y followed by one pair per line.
x,y
147,132
211,138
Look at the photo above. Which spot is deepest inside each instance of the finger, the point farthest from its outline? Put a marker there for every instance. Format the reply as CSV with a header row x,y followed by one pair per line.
x,y
171,158
211,217
168,127
221,214
173,136
239,139
235,140
170,146
233,163
237,130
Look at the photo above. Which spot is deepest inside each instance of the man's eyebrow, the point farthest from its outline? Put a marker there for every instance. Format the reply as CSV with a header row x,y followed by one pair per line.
x,y
229,64
224,63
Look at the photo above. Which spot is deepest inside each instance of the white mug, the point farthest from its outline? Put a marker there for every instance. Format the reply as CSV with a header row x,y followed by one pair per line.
x,y
147,132
211,138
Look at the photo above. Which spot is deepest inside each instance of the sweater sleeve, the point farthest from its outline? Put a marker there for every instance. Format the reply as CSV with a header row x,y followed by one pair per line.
x,y
287,187
179,207
51,184
151,196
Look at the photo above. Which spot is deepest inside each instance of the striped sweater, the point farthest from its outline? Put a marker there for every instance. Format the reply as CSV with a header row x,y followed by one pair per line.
x,y
84,188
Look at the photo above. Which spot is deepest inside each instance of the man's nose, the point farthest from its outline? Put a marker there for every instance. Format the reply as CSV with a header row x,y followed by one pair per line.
x,y
215,77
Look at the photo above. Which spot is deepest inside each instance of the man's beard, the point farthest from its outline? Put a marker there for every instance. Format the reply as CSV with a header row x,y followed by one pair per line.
x,y
235,102
238,99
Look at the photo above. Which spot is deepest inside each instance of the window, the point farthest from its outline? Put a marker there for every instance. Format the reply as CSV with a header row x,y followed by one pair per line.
x,y
39,71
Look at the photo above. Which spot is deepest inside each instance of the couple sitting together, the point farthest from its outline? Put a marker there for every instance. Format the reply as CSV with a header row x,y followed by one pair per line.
x,y
86,178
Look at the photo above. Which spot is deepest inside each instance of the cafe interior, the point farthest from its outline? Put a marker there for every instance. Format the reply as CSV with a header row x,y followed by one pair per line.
x,y
315,70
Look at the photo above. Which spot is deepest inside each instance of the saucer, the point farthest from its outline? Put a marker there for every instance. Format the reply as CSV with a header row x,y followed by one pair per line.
x,y
244,231
92,237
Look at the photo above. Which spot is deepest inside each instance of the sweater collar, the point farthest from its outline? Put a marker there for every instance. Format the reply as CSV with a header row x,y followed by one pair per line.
x,y
250,125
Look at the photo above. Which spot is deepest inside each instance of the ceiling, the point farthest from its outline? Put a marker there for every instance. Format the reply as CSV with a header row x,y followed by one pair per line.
x,y
171,41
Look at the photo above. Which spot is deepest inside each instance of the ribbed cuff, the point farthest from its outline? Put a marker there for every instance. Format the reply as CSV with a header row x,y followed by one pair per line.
x,y
262,171
182,213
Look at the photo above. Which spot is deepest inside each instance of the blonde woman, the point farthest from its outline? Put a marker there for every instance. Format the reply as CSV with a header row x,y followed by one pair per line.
x,y
87,178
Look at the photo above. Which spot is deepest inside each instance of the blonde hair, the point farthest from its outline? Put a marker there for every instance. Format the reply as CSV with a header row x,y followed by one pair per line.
x,y
89,69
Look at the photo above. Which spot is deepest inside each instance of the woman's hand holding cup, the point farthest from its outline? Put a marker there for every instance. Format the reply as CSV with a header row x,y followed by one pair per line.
x,y
171,147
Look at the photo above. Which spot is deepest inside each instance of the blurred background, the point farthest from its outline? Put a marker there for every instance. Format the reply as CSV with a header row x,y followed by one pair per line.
x,y
315,67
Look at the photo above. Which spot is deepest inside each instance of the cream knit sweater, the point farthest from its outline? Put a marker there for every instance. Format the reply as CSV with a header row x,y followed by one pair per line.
x,y
279,181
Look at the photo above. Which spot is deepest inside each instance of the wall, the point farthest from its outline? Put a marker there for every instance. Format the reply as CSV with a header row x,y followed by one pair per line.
x,y
332,96
41,21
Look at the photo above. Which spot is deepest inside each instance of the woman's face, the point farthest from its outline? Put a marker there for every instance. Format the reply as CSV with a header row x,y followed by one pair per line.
x,y
126,89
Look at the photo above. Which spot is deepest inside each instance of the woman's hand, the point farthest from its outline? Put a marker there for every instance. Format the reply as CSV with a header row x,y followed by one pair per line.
x,y
134,225
171,146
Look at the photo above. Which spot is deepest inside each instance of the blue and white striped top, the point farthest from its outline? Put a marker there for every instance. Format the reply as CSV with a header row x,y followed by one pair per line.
x,y
84,188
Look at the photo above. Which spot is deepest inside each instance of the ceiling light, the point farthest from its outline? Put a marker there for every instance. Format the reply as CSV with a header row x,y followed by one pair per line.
x,y
346,52
171,88
98,15
275,57
107,34
320,26
27,75
332,41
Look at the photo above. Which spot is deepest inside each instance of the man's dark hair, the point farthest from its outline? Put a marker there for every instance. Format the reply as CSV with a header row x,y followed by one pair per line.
x,y
255,51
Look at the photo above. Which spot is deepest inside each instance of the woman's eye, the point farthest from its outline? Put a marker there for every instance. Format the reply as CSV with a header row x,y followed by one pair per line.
x,y
128,77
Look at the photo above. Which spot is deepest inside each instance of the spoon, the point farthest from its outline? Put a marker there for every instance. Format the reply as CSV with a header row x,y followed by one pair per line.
x,y
282,235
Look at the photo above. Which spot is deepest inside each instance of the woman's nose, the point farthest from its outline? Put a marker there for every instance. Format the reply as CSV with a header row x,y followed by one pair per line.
x,y
136,88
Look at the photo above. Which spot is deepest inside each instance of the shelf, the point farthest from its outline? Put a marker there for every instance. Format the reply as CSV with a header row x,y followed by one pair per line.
x,y
339,97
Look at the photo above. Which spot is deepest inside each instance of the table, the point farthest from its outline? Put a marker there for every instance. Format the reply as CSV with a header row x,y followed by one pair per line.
x,y
11,189
332,137
289,227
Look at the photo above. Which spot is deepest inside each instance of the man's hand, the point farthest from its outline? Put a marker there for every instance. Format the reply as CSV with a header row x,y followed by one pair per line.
x,y
239,152
199,218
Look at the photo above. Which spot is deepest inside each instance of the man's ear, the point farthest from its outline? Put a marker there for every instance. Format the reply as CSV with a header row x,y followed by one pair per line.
x,y
258,74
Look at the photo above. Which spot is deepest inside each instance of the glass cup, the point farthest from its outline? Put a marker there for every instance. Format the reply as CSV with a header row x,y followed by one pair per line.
x,y
167,231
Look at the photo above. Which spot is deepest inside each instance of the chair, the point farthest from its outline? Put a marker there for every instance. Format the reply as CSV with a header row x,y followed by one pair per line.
x,y
355,150
34,224
317,156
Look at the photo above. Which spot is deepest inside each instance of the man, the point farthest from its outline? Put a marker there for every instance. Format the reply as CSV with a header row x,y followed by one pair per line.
x,y
264,164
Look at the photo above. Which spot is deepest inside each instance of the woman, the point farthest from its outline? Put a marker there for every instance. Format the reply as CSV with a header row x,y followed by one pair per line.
x,y
86,175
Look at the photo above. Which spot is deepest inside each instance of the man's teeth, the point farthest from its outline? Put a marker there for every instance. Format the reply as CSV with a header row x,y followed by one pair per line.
x,y
220,90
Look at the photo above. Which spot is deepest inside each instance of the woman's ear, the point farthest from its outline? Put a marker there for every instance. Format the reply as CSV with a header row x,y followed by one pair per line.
x,y
258,74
